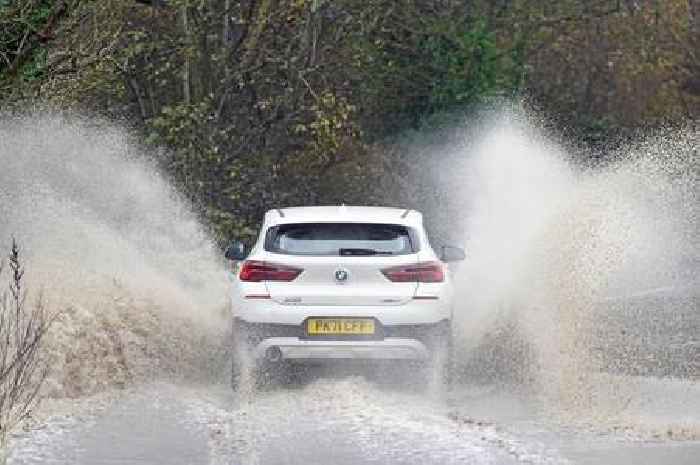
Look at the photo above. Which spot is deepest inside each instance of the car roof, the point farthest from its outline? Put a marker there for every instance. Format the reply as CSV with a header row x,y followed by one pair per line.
x,y
343,214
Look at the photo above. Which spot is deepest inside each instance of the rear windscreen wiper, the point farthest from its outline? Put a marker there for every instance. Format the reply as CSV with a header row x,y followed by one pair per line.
x,y
350,251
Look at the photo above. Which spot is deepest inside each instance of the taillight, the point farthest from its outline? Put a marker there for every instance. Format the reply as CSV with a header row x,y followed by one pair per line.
x,y
256,271
426,272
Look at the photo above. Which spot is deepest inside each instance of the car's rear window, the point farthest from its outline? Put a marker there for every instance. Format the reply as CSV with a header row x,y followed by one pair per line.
x,y
340,239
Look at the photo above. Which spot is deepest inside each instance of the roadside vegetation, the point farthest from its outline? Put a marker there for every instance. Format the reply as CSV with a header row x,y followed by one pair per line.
x,y
255,104
22,330
265,103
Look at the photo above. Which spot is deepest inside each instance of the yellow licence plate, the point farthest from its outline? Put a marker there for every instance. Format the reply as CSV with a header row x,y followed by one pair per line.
x,y
339,326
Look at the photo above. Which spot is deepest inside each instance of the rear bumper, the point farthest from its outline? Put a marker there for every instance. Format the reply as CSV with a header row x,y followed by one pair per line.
x,y
295,348
397,342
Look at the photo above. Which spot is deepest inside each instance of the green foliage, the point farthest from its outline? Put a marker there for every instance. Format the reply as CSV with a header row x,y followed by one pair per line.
x,y
420,62
22,55
467,67
271,103
40,13
34,68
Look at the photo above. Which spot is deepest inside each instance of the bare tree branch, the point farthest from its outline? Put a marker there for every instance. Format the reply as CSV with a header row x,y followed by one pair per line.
x,y
22,330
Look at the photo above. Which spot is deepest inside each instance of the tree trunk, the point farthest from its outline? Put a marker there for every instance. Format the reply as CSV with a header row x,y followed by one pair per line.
x,y
186,66
692,84
226,33
694,10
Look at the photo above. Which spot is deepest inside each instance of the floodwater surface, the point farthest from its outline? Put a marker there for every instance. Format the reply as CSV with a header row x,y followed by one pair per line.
x,y
577,327
339,421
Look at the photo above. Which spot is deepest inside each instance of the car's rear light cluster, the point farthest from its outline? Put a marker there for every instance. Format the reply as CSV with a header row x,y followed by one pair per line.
x,y
426,272
257,271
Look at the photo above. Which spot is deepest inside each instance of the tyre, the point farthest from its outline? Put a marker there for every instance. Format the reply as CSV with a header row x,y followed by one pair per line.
x,y
236,373
446,366
240,357
245,369
268,374
442,359
256,374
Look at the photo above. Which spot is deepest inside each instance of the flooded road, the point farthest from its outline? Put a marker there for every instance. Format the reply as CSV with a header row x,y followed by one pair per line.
x,y
577,326
344,421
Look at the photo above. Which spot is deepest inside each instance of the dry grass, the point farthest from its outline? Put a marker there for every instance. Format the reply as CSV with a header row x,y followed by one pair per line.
x,y
22,330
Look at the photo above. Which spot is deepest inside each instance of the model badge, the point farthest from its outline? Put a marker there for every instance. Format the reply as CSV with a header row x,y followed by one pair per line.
x,y
341,275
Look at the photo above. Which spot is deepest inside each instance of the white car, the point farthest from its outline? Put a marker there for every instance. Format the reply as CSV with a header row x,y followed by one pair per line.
x,y
338,283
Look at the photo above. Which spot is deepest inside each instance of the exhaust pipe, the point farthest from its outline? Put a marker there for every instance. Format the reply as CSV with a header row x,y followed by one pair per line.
x,y
273,354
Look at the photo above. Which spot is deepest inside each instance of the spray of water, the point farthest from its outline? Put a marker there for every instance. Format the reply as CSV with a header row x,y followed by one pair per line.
x,y
558,252
113,248
567,265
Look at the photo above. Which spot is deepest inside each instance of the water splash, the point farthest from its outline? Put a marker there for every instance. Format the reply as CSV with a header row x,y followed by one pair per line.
x,y
558,252
114,247
567,267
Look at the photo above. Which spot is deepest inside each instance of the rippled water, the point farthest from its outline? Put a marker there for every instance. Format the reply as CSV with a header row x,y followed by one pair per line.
x,y
344,421
577,319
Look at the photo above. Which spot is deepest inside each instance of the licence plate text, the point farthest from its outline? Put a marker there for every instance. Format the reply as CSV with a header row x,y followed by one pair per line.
x,y
342,326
